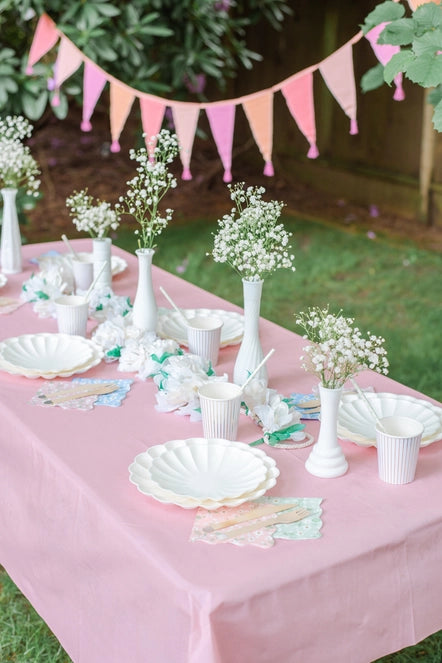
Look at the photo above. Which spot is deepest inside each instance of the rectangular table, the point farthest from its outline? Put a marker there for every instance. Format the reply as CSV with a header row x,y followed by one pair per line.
x,y
113,573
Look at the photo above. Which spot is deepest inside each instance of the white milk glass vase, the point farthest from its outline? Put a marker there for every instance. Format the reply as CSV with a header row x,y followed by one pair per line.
x,y
250,352
102,253
145,311
327,459
10,249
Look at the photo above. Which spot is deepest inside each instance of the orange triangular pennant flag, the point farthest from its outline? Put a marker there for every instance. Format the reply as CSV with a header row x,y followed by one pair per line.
x,y
121,100
45,37
185,117
259,111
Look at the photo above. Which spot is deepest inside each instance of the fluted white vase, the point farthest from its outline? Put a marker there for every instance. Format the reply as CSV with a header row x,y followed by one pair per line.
x,y
102,253
10,248
326,459
250,352
145,310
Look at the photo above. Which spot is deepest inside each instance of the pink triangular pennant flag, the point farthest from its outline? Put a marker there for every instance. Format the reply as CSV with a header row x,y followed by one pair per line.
x,y
259,111
222,124
45,37
94,80
384,53
121,100
69,58
185,118
152,113
298,93
337,72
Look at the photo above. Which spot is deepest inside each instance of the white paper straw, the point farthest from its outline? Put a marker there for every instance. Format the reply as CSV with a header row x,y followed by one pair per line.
x,y
260,365
172,303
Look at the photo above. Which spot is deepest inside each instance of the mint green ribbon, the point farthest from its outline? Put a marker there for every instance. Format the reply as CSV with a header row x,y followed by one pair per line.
x,y
278,436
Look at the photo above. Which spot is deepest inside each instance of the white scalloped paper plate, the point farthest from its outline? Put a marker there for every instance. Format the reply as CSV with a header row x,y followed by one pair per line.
x,y
356,422
48,355
140,476
170,324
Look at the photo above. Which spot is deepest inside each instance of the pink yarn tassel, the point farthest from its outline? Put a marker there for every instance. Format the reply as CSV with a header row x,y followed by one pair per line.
x,y
313,152
268,169
399,94
29,70
187,175
354,127
86,125
115,147
227,176
55,100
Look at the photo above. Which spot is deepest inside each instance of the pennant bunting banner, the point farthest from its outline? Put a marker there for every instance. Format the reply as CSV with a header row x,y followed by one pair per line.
x,y
259,111
384,53
222,124
94,81
298,93
336,70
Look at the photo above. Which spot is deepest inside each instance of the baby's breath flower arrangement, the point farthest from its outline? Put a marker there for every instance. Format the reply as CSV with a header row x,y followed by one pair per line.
x,y
91,215
149,186
338,350
250,239
18,168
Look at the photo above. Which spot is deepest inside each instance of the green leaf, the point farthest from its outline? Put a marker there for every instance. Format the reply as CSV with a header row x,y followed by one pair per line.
x,y
425,70
62,109
108,10
373,78
428,16
437,117
435,96
399,62
430,42
399,33
387,11
34,106
8,84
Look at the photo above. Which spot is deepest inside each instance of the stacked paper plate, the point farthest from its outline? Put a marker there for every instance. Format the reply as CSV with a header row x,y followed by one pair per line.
x,y
203,472
356,421
48,355
170,324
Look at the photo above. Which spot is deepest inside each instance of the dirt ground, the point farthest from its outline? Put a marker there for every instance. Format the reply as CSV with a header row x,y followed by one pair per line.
x,y
72,160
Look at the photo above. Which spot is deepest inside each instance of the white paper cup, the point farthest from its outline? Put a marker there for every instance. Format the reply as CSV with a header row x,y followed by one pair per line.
x,y
204,337
398,448
83,269
72,314
220,405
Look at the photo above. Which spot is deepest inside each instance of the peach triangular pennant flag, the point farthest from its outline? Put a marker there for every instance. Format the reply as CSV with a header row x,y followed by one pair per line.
x,y
259,111
45,37
222,124
94,80
338,74
69,58
384,53
185,118
121,100
152,113
298,93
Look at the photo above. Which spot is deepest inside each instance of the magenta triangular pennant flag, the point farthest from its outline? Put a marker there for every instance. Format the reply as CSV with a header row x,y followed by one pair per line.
x,y
337,72
259,111
384,53
298,93
94,80
69,58
121,100
152,113
185,118
45,37
222,124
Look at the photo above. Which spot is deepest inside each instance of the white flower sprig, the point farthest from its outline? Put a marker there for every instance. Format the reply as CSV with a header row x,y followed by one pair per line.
x,y
338,350
18,168
94,216
149,186
250,239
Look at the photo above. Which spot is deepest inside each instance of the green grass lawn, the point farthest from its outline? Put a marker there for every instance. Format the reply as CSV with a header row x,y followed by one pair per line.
x,y
391,288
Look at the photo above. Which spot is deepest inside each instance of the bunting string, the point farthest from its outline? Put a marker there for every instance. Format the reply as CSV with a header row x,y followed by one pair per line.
x,y
336,70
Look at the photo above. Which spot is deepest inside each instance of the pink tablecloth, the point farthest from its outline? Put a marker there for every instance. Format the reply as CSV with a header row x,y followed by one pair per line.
x,y
113,572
